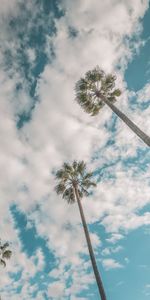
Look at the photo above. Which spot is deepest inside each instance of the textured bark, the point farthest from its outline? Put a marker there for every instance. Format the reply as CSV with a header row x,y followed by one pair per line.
x,y
144,137
92,256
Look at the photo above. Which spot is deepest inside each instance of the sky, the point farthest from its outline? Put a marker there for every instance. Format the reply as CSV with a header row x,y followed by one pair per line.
x,y
45,47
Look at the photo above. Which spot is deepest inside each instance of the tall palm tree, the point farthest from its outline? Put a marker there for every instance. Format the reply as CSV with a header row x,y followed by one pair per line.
x,y
74,182
5,253
97,89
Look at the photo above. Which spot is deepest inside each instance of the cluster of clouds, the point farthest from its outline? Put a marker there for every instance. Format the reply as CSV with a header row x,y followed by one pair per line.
x,y
87,34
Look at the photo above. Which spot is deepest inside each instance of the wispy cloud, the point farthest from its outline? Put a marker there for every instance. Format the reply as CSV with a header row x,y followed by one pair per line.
x,y
110,263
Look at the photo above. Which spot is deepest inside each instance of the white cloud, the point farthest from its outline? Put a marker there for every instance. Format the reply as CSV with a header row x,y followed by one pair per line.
x,y
110,263
115,238
144,94
56,290
9,7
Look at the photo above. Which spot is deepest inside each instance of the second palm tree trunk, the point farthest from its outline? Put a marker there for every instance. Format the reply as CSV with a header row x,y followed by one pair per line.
x,y
144,137
92,256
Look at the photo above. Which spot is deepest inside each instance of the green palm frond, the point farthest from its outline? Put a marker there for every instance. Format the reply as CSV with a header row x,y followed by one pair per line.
x,y
75,165
94,75
81,85
4,253
2,263
69,195
84,192
96,108
88,183
4,246
108,83
112,99
60,188
81,167
67,167
88,175
116,93
7,254
81,97
89,107
60,174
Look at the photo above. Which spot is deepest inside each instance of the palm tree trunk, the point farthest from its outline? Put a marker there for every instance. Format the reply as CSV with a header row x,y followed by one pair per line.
x,y
144,137
93,260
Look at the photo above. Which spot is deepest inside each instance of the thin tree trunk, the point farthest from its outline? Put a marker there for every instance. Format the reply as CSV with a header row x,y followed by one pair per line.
x,y
144,137
93,260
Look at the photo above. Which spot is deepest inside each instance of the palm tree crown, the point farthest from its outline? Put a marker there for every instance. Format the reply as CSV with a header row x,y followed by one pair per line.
x,y
97,89
73,175
5,253
91,89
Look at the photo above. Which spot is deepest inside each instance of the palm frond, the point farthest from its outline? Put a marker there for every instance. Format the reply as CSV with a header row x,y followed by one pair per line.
x,y
75,164
81,97
2,262
88,176
89,107
81,167
7,254
60,188
60,174
84,192
69,195
4,246
96,108
108,82
94,75
116,93
81,85
88,183
67,168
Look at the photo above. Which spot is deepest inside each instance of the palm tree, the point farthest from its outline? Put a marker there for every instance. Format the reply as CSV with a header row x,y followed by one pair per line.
x,y
74,182
97,89
4,253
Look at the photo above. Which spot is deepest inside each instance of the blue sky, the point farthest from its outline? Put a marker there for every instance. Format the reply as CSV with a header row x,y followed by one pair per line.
x,y
45,47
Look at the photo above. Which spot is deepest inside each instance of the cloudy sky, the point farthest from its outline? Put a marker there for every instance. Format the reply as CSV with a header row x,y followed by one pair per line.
x,y
45,47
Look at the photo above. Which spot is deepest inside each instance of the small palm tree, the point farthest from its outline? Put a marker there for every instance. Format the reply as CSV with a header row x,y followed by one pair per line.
x,y
74,183
4,253
97,89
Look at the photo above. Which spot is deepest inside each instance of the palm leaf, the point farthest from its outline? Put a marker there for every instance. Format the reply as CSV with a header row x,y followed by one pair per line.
x,y
75,164
81,167
108,82
116,93
81,85
88,175
60,174
4,246
2,262
7,254
88,183
84,192
60,188
69,195
97,108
